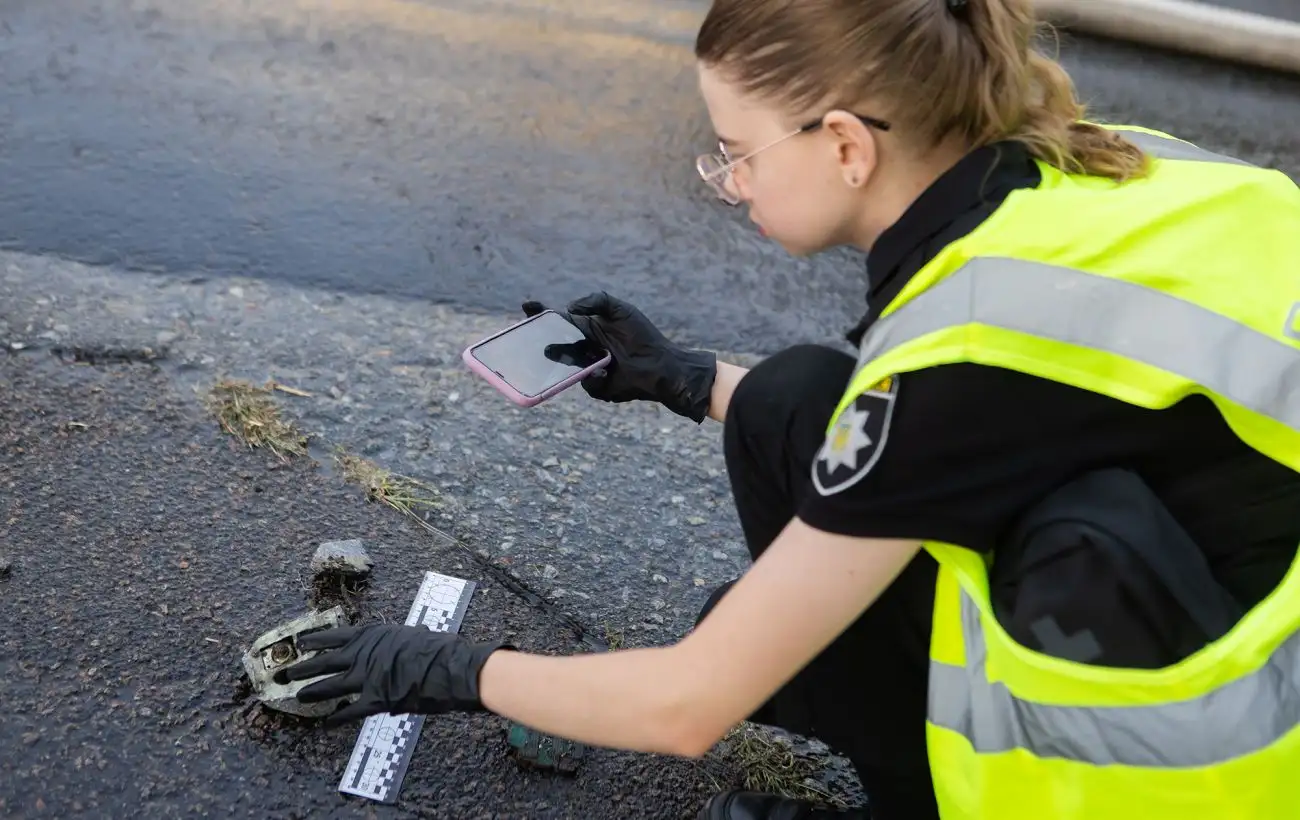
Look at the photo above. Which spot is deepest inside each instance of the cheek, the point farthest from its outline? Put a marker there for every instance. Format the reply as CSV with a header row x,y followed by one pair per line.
x,y
797,231
801,213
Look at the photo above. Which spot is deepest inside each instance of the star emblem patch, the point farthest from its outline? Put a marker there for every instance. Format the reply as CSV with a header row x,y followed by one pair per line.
x,y
855,442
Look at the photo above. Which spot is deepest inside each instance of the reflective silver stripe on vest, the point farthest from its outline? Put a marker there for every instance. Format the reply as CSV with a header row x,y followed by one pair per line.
x,y
1166,148
1234,720
1129,320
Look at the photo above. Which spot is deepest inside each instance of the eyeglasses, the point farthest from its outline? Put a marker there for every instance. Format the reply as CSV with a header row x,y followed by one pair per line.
x,y
717,169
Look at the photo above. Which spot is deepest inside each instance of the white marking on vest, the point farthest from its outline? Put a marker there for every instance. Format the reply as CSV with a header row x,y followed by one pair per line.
x,y
855,442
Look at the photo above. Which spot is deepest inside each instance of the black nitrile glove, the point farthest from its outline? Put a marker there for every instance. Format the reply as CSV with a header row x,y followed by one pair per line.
x,y
645,365
395,669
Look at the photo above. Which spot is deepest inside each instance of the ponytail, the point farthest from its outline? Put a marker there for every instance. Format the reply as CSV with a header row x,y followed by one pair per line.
x,y
1053,130
1025,96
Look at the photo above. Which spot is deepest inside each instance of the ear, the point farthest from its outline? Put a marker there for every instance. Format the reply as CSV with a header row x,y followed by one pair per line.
x,y
854,145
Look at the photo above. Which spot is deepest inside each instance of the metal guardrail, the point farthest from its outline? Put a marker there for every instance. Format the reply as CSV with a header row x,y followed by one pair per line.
x,y
1183,25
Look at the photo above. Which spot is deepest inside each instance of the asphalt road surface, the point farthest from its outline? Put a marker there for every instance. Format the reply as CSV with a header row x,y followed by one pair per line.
x,y
466,153
129,603
340,196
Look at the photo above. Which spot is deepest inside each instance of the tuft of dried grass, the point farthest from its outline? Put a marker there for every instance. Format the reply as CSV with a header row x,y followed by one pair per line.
x,y
249,413
403,493
768,764
613,638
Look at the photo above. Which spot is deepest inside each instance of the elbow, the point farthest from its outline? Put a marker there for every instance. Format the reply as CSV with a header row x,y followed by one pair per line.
x,y
697,744
688,733
688,717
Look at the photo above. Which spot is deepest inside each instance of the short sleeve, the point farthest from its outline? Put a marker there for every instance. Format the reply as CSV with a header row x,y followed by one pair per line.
x,y
952,453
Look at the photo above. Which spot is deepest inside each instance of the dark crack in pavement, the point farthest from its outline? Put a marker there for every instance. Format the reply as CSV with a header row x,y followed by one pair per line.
x,y
147,550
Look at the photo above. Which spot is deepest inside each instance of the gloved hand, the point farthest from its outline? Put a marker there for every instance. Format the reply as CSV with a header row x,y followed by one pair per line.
x,y
394,668
645,365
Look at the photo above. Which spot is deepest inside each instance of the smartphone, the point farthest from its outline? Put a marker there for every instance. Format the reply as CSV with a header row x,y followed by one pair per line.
x,y
535,359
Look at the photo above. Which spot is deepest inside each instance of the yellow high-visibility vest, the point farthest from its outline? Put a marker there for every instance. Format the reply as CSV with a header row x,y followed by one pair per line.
x,y
1183,282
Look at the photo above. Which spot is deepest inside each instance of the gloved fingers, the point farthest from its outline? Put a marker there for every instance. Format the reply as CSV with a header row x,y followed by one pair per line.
x,y
359,710
326,664
570,353
599,304
332,687
532,308
597,386
327,638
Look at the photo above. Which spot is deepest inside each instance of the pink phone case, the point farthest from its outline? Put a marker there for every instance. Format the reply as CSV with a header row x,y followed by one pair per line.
x,y
513,394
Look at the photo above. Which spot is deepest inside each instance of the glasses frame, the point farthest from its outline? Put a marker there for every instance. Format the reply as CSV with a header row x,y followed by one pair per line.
x,y
720,179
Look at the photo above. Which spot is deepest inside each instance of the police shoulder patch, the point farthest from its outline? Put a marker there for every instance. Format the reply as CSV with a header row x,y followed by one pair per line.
x,y
855,442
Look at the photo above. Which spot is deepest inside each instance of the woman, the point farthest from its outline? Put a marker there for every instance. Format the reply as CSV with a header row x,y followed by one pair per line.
x,y
1057,320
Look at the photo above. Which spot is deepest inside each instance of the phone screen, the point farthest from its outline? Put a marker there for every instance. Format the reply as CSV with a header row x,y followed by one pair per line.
x,y
538,354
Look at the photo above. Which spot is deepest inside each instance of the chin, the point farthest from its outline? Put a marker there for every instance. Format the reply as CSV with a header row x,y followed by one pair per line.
x,y
800,249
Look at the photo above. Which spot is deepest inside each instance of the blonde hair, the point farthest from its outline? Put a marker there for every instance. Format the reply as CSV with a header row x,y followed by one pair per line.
x,y
971,72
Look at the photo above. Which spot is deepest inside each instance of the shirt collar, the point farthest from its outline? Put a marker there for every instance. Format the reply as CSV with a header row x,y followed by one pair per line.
x,y
988,172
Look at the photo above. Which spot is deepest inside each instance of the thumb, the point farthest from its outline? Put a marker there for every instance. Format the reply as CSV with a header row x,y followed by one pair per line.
x,y
532,308
595,304
581,321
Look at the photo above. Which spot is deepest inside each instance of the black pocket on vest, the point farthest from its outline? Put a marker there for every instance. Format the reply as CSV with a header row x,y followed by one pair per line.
x,y
1099,572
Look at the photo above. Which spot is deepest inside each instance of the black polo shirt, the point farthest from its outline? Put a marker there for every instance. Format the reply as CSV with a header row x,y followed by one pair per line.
x,y
969,447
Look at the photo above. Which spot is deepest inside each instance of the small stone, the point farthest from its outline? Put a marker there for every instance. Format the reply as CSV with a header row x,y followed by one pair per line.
x,y
659,579
657,603
551,461
6,566
549,572
719,555
166,337
699,582
236,292
348,557
695,521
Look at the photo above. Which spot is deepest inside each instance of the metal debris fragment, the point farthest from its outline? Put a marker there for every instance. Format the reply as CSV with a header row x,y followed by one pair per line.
x,y
277,650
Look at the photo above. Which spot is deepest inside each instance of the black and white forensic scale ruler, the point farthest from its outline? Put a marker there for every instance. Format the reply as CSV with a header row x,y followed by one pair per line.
x,y
386,742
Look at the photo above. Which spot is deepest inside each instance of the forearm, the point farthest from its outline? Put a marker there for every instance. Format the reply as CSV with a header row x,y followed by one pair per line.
x,y
634,699
724,385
